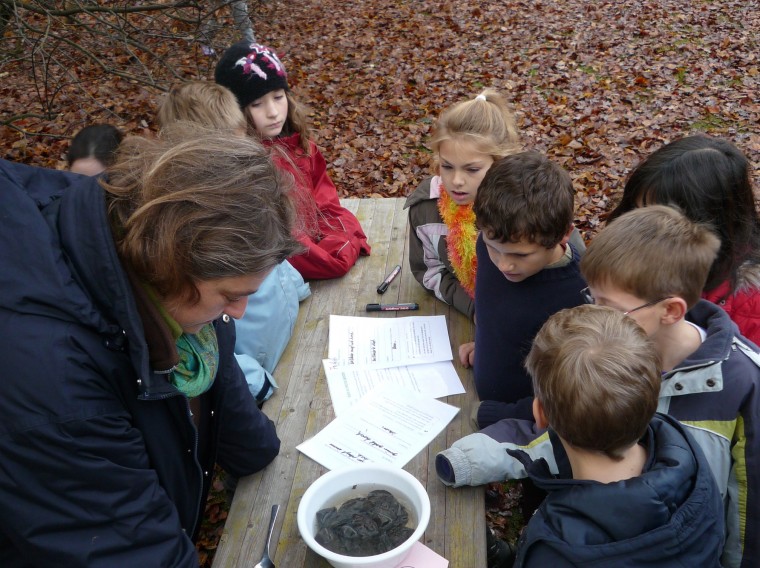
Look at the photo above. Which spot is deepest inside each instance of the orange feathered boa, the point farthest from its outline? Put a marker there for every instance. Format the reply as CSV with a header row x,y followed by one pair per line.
x,y
460,242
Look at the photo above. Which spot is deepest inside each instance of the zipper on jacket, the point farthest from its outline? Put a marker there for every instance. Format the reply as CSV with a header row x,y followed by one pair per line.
x,y
198,465
194,449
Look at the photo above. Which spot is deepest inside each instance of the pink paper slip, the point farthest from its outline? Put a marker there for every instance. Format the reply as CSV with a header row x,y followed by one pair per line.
x,y
422,557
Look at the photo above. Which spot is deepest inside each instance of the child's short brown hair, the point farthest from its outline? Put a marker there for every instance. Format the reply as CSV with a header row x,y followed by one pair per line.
x,y
203,103
525,196
597,376
654,252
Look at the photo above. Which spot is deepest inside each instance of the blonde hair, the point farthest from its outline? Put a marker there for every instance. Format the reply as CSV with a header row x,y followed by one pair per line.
x,y
485,120
197,205
653,253
597,376
207,104
295,122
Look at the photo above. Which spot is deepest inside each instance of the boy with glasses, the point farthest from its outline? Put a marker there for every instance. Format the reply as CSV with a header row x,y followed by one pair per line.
x,y
589,299
652,263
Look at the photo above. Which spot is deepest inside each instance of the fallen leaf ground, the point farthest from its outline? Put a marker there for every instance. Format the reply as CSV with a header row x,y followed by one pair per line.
x,y
595,85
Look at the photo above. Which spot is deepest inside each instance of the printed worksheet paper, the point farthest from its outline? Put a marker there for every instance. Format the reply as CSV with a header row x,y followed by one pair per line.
x,y
388,426
348,385
388,342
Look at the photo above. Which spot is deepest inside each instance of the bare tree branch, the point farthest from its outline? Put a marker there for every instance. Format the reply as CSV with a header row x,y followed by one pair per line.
x,y
71,51
16,118
12,126
92,8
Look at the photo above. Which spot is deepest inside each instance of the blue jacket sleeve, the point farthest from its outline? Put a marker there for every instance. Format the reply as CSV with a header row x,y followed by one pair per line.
x,y
492,411
258,378
248,440
265,329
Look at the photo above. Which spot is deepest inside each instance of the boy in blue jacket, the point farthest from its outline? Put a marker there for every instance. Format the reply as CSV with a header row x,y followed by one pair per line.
x,y
651,264
633,488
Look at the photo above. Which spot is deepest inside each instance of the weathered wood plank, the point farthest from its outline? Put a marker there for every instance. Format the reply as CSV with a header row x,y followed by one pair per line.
x,y
301,408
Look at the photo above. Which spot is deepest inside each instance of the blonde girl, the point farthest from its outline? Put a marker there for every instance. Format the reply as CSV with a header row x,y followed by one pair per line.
x,y
467,139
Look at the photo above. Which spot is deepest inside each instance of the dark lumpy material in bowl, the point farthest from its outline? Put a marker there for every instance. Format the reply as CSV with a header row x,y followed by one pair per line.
x,y
364,526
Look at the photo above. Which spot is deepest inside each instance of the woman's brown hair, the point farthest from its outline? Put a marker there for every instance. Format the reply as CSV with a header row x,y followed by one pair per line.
x,y
197,205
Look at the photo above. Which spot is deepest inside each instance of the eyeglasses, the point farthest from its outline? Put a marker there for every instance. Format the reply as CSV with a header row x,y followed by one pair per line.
x,y
589,299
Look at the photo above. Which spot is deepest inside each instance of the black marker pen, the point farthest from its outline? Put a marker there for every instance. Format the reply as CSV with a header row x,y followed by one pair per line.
x,y
392,307
388,279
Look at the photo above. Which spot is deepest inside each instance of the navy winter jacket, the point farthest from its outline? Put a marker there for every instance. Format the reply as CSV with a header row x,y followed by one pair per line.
x,y
671,515
100,456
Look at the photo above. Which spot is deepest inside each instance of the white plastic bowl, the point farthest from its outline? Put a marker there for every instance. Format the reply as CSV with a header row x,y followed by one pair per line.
x,y
337,486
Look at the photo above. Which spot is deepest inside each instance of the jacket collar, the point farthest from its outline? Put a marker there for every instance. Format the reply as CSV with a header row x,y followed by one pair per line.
x,y
720,329
668,471
87,240
702,371
162,346
292,141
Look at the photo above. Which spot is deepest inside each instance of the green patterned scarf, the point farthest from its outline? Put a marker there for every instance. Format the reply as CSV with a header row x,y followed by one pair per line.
x,y
198,361
198,353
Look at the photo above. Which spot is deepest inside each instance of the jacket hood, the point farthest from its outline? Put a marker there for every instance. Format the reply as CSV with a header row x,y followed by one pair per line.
x,y
721,331
67,267
422,193
657,518
748,277
40,278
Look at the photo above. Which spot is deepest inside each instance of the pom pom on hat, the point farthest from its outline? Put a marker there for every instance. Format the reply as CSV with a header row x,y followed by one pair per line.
x,y
250,71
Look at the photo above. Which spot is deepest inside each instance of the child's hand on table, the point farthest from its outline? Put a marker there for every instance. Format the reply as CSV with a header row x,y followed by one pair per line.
x,y
467,354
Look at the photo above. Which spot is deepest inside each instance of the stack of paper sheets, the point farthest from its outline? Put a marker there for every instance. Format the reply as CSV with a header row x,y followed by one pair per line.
x,y
384,375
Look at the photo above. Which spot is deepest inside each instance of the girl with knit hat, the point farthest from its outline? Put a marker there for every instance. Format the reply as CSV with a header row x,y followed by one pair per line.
x,y
331,233
467,139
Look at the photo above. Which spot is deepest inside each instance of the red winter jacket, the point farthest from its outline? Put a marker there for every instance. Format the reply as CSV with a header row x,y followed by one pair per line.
x,y
332,235
743,306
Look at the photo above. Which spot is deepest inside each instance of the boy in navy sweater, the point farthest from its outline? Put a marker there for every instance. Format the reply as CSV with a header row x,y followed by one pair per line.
x,y
527,270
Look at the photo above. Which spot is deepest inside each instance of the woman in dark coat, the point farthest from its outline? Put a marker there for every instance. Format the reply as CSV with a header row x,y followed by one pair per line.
x,y
120,388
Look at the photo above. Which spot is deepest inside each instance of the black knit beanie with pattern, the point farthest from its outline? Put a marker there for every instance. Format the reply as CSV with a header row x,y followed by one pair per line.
x,y
250,71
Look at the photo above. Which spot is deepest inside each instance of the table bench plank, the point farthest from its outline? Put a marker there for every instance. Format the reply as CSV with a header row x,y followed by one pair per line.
x,y
301,407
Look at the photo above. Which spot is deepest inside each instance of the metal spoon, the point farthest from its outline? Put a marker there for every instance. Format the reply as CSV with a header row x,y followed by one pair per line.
x,y
266,561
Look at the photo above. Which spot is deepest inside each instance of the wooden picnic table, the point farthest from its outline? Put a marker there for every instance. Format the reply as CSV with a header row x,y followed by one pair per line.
x,y
301,407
